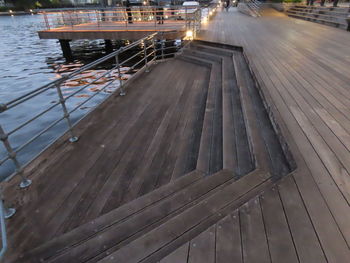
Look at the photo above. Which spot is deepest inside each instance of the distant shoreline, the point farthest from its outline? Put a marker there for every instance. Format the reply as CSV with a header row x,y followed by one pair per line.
x,y
17,13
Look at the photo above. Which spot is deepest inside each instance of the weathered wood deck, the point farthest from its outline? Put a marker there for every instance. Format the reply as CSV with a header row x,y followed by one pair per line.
x,y
176,122
304,71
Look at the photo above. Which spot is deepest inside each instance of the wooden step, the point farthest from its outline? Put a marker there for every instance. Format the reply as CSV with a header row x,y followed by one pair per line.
x,y
236,154
210,150
264,137
164,239
317,20
130,221
266,145
318,16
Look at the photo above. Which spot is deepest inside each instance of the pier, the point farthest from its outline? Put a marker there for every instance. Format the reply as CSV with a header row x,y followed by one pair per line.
x,y
121,24
234,147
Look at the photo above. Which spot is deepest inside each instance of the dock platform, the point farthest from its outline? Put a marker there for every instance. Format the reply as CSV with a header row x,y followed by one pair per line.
x,y
236,150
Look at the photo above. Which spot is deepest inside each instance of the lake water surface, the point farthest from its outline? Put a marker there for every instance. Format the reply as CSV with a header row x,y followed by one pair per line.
x,y
26,63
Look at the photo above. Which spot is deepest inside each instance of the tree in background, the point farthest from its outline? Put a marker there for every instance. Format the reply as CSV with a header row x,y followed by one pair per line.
x,y
28,4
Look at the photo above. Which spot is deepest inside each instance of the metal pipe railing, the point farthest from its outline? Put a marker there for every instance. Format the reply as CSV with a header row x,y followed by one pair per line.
x,y
152,46
111,17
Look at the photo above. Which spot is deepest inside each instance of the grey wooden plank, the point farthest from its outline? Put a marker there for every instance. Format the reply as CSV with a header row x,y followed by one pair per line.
x,y
202,247
279,237
205,151
254,242
304,236
228,239
180,255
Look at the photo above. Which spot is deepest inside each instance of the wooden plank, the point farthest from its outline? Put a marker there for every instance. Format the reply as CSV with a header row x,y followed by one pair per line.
x,y
202,247
228,139
180,255
279,237
300,225
254,241
228,239
205,150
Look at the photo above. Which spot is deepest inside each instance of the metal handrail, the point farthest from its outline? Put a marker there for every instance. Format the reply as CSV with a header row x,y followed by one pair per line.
x,y
254,5
150,51
138,14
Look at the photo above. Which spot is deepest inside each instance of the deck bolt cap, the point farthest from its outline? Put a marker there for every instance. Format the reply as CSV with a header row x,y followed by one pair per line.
x,y
9,212
25,183
73,139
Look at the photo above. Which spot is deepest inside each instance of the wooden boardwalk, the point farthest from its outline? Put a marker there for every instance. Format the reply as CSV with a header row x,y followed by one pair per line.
x,y
304,71
135,188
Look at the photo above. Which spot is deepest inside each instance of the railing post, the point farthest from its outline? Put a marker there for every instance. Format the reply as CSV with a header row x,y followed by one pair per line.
x,y
154,50
72,138
145,54
186,19
97,18
161,46
71,19
7,211
46,21
122,91
13,156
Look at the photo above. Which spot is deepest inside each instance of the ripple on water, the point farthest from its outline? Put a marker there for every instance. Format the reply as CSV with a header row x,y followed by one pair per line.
x,y
27,63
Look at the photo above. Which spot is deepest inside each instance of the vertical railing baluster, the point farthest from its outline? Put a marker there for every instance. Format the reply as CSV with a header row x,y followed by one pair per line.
x,y
122,91
161,45
71,19
8,211
13,156
97,18
66,115
145,54
154,49
46,21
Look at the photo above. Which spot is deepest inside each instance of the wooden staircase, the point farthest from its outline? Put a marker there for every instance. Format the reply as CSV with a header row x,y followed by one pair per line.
x,y
332,16
239,155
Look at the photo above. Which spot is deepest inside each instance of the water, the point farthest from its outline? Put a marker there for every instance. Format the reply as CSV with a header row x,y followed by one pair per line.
x,y
26,63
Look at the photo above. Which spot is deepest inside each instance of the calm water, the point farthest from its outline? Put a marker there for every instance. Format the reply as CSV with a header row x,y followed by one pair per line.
x,y
26,63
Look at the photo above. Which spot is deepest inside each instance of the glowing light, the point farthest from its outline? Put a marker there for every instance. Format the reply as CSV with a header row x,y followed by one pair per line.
x,y
10,11
210,13
189,34
144,3
30,10
205,20
166,17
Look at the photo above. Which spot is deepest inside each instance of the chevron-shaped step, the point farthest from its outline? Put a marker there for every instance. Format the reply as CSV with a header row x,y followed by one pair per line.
x,y
131,220
228,138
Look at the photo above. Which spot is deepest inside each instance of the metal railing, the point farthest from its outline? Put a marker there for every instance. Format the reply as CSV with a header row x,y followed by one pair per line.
x,y
157,17
254,7
145,51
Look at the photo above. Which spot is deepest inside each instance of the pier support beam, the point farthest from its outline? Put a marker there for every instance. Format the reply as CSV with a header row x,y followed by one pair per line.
x,y
67,52
108,46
